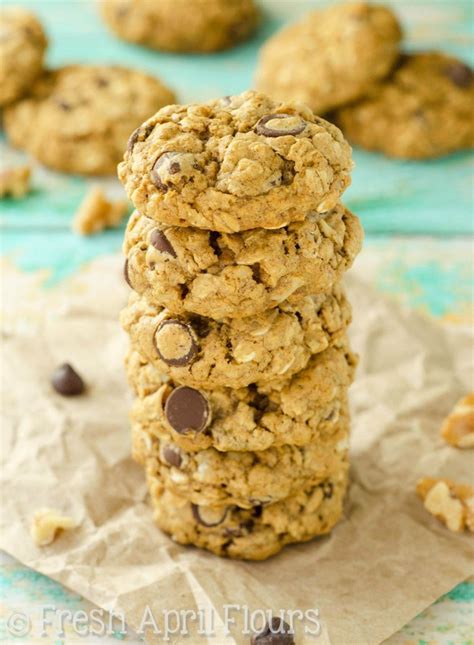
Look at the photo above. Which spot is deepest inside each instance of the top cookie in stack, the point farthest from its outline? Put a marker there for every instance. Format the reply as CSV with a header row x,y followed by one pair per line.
x,y
235,164
239,356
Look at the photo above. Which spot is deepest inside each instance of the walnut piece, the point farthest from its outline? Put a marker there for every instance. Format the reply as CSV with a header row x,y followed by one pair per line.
x,y
458,427
96,213
451,503
15,182
47,523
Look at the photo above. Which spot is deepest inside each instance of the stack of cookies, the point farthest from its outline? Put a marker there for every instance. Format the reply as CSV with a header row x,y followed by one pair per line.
x,y
239,357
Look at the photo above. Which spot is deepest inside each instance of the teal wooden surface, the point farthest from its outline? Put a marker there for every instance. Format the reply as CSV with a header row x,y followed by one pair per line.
x,y
390,196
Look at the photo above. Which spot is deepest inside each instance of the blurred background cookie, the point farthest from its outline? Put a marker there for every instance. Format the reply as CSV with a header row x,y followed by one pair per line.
x,y
180,25
331,56
423,110
22,47
78,118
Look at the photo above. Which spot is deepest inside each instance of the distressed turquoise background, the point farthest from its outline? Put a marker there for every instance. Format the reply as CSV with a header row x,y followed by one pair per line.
x,y
390,196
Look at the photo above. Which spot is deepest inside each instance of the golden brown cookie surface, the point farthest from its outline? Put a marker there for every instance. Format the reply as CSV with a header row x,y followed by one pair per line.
x,y
330,57
235,275
181,25
78,118
234,164
22,47
423,110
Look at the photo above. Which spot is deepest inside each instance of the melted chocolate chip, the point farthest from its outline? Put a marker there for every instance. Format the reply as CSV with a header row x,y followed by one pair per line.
x,y
214,242
172,456
175,343
125,274
275,632
460,74
161,243
256,274
102,82
184,290
260,402
143,132
293,127
207,516
169,163
187,410
66,381
200,325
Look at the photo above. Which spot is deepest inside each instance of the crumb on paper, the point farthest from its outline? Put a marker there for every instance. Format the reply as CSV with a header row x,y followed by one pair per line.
x,y
451,503
97,213
46,525
458,427
15,182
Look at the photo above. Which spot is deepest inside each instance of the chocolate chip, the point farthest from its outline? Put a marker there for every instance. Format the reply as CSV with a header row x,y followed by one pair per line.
x,y
214,242
102,82
172,456
256,273
261,403
288,125
208,516
200,325
187,410
161,243
245,528
125,274
175,342
275,632
66,381
169,164
143,132
460,74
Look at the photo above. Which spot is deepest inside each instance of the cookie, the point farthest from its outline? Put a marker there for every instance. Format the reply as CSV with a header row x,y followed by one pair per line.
x,y
423,110
78,118
330,57
22,47
246,479
179,26
273,345
250,534
297,411
234,164
240,274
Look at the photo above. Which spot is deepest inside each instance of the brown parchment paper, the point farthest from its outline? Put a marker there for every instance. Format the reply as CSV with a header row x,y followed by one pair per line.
x,y
386,561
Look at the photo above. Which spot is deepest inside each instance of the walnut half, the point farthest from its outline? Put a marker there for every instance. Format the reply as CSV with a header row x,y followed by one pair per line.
x,y
47,523
451,503
458,427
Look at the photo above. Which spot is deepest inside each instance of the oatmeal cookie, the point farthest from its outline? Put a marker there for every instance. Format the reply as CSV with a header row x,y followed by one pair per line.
x,y
240,274
78,118
22,47
273,345
423,110
255,533
297,411
244,478
181,26
234,164
330,57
